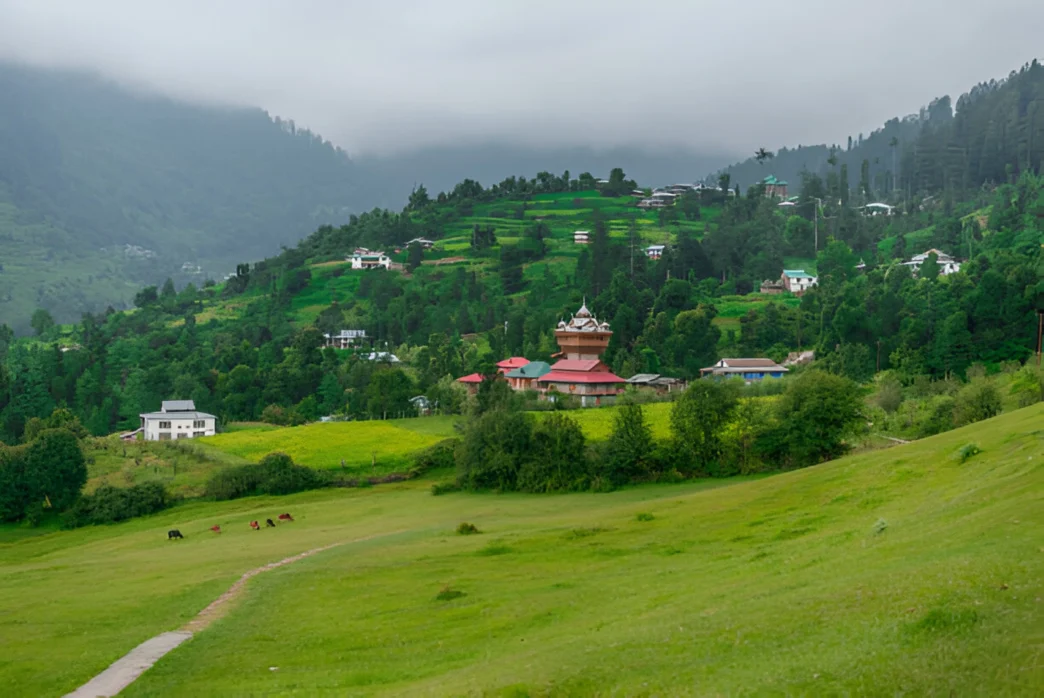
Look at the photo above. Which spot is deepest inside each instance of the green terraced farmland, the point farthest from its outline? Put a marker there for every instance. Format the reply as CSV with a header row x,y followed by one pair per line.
x,y
905,571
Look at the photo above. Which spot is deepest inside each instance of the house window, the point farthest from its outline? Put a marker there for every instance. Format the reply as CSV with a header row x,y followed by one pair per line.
x,y
199,433
182,435
164,435
199,424
164,425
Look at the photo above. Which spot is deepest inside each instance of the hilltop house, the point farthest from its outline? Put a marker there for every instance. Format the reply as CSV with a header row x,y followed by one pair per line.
x,y
655,251
177,419
581,237
382,356
749,370
423,242
947,264
797,281
343,339
776,188
367,259
878,208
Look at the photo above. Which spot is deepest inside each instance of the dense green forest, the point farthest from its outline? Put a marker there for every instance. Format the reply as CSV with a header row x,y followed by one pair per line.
x,y
103,190
993,133
252,346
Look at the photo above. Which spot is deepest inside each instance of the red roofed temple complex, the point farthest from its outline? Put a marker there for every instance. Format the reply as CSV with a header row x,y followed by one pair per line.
x,y
583,340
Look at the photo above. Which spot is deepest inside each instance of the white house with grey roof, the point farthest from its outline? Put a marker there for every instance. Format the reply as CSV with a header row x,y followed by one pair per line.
x,y
177,419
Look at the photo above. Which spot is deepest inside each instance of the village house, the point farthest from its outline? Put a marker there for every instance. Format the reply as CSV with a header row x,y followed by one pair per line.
x,y
177,419
581,237
511,364
655,251
797,281
344,339
582,342
382,356
947,264
367,259
749,370
423,242
878,208
525,377
654,203
654,382
775,188
771,288
471,382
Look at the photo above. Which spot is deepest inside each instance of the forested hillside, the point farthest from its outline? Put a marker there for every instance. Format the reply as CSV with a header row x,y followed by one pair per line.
x,y
504,269
993,133
103,190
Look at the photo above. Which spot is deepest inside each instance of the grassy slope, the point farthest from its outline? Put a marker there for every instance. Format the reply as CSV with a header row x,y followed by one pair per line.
x,y
776,585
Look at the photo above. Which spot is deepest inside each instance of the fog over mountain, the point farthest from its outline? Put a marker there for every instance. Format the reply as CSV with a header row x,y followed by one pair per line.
x,y
385,78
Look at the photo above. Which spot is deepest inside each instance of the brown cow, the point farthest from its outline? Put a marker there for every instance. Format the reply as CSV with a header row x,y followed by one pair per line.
x,y
254,525
285,517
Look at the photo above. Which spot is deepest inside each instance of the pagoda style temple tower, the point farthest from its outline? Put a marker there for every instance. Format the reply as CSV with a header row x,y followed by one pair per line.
x,y
583,337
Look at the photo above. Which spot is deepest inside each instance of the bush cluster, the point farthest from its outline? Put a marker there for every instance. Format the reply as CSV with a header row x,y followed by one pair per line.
x,y
111,504
275,474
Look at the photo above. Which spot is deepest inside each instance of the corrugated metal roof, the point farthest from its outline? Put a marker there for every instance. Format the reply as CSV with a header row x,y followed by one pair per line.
x,y
576,365
177,415
749,363
574,377
534,369
177,406
513,362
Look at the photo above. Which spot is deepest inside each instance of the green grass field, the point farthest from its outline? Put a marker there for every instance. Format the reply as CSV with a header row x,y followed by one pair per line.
x,y
380,446
904,571
391,442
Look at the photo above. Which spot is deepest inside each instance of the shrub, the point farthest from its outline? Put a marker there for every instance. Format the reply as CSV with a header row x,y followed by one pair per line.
x,y
939,416
879,526
437,457
1027,385
275,474
111,504
645,516
815,414
445,487
447,594
889,395
698,419
977,401
968,451
467,529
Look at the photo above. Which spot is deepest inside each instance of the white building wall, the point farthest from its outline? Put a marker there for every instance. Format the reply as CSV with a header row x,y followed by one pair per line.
x,y
180,428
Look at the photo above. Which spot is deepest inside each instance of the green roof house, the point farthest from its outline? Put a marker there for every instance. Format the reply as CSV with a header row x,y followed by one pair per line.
x,y
776,188
522,378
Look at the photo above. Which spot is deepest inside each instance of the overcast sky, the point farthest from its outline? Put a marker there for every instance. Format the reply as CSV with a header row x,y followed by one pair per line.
x,y
392,75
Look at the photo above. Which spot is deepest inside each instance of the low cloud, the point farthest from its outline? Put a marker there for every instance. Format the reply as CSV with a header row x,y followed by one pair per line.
x,y
386,77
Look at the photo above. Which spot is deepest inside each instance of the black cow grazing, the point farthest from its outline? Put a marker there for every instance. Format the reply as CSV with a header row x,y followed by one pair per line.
x,y
171,535
268,522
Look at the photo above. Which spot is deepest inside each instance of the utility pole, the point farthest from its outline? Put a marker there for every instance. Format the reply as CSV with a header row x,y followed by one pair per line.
x,y
1040,335
878,356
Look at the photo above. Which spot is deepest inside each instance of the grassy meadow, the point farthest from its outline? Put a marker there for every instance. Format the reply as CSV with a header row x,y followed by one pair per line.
x,y
904,571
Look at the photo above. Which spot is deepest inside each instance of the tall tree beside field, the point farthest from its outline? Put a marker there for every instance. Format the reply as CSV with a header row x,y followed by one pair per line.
x,y
815,414
698,419
629,451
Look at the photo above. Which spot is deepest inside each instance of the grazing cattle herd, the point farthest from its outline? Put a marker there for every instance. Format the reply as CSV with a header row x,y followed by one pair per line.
x,y
175,534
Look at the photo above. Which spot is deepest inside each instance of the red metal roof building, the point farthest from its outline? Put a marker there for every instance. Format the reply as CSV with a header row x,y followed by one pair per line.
x,y
582,373
511,364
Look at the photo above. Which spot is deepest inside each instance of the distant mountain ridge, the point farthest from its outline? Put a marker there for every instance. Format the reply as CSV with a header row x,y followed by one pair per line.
x,y
102,190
